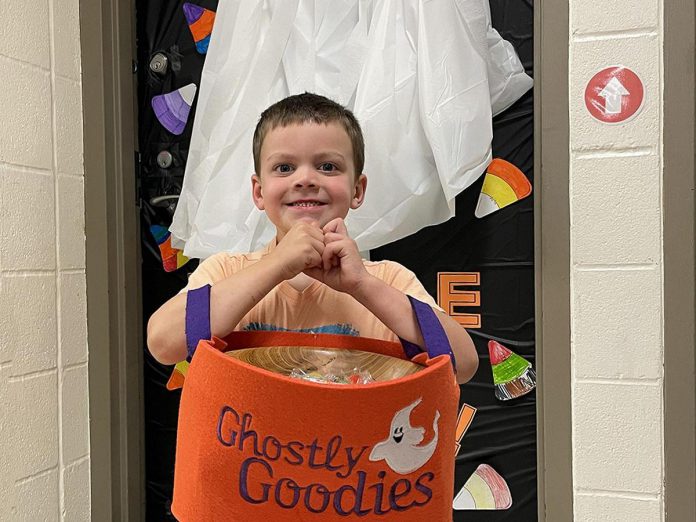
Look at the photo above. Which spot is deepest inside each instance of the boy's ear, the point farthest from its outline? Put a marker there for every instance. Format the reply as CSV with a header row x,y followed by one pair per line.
x,y
359,192
256,192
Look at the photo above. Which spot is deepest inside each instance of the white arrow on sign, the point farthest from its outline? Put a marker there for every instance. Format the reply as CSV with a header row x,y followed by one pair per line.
x,y
612,93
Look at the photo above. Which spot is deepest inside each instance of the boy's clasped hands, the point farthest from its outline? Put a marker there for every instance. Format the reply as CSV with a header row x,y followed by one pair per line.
x,y
327,254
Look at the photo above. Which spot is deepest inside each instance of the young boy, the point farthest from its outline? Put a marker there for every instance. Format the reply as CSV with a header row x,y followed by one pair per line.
x,y
308,157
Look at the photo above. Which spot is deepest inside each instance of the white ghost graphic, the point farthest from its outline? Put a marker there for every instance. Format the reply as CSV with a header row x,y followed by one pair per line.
x,y
400,449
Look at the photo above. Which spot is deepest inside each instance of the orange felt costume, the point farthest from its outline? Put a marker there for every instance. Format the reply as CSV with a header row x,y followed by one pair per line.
x,y
254,445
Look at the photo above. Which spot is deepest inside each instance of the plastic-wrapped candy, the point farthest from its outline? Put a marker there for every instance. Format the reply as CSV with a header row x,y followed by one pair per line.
x,y
353,376
326,365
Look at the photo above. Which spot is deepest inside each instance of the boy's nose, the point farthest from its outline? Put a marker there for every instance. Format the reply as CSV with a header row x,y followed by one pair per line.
x,y
305,177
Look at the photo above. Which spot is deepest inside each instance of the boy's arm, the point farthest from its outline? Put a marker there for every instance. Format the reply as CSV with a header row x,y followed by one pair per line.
x,y
232,298
392,307
344,271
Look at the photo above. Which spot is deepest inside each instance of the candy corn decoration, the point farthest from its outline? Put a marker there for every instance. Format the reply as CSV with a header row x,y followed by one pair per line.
x,y
513,376
466,415
200,22
172,258
485,489
176,379
503,185
172,109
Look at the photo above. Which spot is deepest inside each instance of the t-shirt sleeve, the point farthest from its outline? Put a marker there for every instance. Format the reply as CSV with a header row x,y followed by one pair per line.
x,y
403,279
210,271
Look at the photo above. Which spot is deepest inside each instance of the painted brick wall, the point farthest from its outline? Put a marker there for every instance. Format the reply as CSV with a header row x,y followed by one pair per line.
x,y
44,435
616,270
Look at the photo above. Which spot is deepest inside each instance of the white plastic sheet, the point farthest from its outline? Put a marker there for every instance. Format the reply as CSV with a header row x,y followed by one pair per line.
x,y
506,77
415,73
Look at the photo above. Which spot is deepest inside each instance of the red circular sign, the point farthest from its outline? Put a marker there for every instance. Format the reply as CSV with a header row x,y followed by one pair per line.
x,y
614,94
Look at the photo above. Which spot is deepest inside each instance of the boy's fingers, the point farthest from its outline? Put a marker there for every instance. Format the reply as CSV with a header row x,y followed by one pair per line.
x,y
315,234
331,226
314,260
328,259
330,255
318,245
313,228
308,227
330,237
336,225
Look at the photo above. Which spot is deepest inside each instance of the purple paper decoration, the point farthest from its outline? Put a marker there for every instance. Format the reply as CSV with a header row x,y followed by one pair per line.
x,y
200,22
172,109
192,12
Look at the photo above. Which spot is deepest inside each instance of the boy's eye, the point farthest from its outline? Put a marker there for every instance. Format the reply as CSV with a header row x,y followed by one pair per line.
x,y
284,168
327,167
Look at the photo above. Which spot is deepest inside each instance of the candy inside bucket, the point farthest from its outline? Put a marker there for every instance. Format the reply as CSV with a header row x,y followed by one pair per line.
x,y
327,365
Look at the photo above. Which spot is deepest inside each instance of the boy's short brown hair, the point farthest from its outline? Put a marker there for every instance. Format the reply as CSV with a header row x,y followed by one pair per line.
x,y
309,107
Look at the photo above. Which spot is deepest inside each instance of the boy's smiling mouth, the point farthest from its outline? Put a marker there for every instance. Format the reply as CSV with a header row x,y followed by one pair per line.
x,y
306,203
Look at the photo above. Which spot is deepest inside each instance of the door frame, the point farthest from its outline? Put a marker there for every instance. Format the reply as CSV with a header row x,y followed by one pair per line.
x,y
114,304
679,270
552,261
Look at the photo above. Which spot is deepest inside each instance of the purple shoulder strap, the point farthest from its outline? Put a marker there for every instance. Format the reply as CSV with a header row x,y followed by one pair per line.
x,y
436,342
434,337
197,318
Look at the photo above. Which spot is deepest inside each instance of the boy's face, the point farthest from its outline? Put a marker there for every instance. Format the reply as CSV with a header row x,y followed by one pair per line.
x,y
306,174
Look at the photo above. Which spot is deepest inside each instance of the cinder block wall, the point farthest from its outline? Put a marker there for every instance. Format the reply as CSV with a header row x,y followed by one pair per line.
x,y
616,272
44,433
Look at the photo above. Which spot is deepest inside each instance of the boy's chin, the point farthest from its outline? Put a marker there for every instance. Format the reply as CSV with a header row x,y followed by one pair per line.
x,y
321,220
307,219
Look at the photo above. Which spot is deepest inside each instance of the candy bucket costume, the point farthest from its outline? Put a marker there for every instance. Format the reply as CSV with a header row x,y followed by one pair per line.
x,y
257,445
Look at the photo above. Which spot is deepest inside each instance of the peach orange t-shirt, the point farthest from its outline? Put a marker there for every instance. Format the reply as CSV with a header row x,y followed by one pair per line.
x,y
316,309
